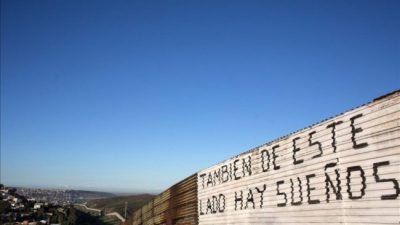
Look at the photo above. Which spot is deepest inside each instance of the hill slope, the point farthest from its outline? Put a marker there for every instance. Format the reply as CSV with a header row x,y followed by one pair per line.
x,y
117,204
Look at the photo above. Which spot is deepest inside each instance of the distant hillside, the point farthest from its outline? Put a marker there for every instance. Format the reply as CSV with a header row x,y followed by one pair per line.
x,y
61,196
117,204
91,194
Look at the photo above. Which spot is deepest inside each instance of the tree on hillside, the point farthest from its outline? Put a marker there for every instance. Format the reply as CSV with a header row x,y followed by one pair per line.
x,y
5,207
12,191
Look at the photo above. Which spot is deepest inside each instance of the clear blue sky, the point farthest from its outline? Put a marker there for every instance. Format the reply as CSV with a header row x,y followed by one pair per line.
x,y
136,95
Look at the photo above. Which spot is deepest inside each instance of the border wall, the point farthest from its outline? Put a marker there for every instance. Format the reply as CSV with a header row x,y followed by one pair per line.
x,y
343,170
177,205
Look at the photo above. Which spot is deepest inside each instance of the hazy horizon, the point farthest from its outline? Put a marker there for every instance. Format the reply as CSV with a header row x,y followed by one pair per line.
x,y
135,96
94,189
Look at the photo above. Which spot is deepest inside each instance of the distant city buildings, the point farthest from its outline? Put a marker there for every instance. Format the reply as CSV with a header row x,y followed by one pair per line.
x,y
29,206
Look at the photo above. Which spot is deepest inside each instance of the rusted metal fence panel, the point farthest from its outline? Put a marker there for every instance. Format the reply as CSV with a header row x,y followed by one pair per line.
x,y
176,205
